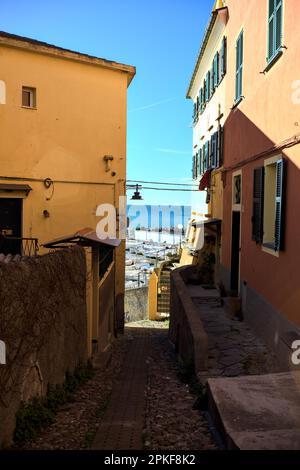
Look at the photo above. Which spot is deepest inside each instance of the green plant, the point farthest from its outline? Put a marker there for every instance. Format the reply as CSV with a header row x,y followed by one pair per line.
x,y
31,418
40,412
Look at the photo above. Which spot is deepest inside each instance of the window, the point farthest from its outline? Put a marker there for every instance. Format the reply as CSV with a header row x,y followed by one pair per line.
x,y
223,61
268,204
2,92
239,67
275,28
206,156
237,189
200,162
212,84
201,101
216,70
28,97
207,88
214,150
258,205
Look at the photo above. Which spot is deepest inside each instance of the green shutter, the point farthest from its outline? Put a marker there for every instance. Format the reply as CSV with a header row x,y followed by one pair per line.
x,y
220,146
212,80
258,205
216,70
201,100
275,21
279,204
207,94
200,162
193,169
223,60
204,92
214,150
239,67
206,156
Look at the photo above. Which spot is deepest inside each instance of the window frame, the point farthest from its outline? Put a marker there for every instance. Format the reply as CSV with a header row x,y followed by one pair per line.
x,y
275,247
239,68
32,97
272,16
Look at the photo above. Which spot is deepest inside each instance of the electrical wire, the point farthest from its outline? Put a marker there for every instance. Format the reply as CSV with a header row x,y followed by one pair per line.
x,y
166,189
162,183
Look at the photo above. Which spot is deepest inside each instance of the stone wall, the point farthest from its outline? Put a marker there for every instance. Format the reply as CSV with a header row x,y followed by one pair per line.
x,y
43,322
186,330
136,304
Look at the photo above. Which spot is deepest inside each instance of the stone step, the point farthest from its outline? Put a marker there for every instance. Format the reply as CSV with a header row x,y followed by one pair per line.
x,y
258,412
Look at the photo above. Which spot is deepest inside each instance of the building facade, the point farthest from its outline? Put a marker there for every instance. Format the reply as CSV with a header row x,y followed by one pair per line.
x,y
62,146
259,177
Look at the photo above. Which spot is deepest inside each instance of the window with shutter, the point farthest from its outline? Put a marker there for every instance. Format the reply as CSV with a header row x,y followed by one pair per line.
x,y
201,100
239,67
223,61
220,146
206,164
212,81
274,204
200,162
275,23
193,169
214,150
258,205
204,92
207,95
216,70
195,112
279,203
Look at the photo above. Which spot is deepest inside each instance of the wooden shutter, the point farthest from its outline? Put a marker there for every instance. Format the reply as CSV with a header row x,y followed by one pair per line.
x,y
201,100
279,204
258,205
216,70
212,80
223,57
214,150
200,162
278,25
207,87
220,147
239,67
204,92
275,27
193,169
207,155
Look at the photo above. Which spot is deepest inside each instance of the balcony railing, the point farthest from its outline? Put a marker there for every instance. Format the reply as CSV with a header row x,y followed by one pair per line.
x,y
19,246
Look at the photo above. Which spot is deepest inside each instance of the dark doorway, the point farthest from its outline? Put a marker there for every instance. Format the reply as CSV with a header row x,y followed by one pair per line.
x,y
10,225
235,251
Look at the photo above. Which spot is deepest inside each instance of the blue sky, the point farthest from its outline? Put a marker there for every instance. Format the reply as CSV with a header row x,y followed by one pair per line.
x,y
161,38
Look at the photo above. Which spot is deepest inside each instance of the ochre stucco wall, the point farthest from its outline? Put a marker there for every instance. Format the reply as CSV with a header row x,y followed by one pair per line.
x,y
80,117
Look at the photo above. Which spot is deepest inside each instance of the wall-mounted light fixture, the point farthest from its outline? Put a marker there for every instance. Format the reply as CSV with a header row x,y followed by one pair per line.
x,y
107,159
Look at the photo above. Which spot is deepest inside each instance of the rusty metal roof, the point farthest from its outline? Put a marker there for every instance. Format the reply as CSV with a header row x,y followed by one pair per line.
x,y
84,237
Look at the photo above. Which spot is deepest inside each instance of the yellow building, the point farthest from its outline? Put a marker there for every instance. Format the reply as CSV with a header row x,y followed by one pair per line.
x,y
62,145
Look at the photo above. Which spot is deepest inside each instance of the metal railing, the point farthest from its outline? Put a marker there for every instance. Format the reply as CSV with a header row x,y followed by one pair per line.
x,y
19,245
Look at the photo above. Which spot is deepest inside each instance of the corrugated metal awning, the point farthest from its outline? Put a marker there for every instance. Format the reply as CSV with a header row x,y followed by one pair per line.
x,y
84,237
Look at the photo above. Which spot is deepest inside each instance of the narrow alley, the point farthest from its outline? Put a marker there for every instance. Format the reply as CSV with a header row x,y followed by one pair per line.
x,y
136,400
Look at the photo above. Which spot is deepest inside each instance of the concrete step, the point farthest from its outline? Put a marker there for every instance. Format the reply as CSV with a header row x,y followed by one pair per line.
x,y
259,412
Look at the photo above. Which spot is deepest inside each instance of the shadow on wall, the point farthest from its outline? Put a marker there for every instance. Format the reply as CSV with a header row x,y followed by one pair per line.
x,y
43,322
275,278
